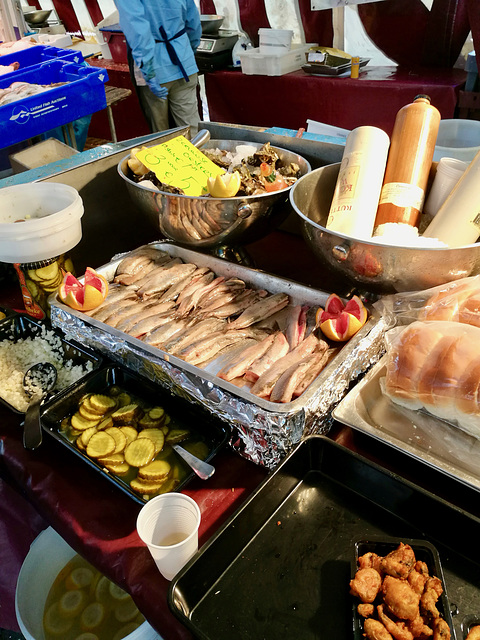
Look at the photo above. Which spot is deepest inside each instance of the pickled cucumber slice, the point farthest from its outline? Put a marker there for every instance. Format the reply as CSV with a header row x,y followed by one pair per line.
x,y
102,403
157,413
114,459
119,470
100,445
127,414
139,452
177,435
80,423
154,471
119,437
146,488
130,433
156,436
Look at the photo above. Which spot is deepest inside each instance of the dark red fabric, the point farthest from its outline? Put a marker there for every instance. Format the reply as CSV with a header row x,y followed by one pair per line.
x,y
412,35
253,16
289,100
94,10
317,25
207,7
66,14
473,7
35,4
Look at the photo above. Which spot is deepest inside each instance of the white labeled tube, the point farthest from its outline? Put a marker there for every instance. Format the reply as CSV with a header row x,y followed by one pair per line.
x,y
355,199
457,222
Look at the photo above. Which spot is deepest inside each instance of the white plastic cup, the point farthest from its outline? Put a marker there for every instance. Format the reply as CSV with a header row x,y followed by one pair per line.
x,y
449,172
168,525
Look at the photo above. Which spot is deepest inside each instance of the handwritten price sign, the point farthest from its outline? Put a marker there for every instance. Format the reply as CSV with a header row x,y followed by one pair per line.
x,y
179,163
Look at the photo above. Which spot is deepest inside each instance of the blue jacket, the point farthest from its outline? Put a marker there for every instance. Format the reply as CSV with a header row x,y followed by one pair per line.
x,y
140,21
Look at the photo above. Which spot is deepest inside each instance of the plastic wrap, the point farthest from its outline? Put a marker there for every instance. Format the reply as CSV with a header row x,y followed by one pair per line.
x,y
263,431
436,366
457,301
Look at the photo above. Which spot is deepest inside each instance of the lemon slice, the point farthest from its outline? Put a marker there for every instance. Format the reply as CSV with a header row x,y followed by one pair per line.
x,y
126,630
102,590
71,603
79,578
126,611
92,616
117,592
87,636
55,623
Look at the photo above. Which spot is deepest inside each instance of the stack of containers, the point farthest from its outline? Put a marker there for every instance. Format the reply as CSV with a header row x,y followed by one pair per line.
x,y
275,55
80,92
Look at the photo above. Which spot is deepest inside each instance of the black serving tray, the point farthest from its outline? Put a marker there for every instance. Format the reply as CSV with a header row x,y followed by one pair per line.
x,y
214,432
424,551
20,326
280,567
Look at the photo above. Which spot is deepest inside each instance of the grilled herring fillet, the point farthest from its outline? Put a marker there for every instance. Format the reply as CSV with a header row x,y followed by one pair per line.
x,y
265,383
260,310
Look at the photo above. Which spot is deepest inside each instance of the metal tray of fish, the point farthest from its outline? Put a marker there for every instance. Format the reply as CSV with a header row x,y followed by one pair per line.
x,y
417,433
267,429
294,539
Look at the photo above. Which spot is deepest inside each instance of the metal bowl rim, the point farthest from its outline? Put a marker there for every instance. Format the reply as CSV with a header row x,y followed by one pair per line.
x,y
359,240
209,198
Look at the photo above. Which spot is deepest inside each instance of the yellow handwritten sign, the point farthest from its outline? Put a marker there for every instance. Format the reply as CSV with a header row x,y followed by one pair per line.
x,y
180,164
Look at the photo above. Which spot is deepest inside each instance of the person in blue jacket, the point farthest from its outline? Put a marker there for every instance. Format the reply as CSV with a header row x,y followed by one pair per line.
x,y
162,37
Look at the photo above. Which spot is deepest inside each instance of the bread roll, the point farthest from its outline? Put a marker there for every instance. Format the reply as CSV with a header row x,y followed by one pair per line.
x,y
436,366
469,310
445,304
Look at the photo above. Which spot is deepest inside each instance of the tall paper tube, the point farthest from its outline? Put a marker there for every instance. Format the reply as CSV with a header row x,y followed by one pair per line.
x,y
355,200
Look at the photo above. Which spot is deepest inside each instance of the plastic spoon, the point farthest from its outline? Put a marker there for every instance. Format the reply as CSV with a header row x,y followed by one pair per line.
x,y
37,382
201,468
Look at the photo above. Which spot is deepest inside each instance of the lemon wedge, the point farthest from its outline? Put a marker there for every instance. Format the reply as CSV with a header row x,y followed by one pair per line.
x,y
226,185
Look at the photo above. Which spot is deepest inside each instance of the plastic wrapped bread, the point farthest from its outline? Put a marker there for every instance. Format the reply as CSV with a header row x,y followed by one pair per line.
x,y
436,366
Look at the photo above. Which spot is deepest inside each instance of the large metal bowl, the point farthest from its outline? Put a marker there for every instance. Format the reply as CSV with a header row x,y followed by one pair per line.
x,y
211,23
375,267
37,17
207,223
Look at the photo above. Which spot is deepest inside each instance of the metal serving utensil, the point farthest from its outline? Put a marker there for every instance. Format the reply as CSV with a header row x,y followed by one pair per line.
x,y
200,467
37,382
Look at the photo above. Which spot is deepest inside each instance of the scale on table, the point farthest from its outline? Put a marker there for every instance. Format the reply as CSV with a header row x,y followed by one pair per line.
x,y
215,50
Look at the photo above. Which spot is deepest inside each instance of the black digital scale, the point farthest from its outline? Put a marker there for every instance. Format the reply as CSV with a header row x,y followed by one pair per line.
x,y
215,50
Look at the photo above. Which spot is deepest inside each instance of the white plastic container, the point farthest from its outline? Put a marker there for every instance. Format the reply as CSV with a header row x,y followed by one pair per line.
x,y
457,138
275,40
39,221
48,554
449,172
256,63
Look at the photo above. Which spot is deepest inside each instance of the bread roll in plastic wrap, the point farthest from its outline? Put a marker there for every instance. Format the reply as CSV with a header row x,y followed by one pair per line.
x,y
436,366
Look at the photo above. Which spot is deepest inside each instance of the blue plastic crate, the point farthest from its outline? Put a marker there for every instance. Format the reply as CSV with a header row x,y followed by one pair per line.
x,y
84,94
39,54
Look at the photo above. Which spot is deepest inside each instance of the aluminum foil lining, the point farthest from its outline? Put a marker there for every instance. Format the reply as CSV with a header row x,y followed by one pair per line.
x,y
260,435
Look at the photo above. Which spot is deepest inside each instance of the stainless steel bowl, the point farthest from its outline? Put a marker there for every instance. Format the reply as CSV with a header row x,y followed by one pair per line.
x,y
205,222
37,17
211,23
372,266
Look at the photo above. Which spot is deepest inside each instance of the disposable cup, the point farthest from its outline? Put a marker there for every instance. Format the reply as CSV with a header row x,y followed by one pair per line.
x,y
168,525
449,172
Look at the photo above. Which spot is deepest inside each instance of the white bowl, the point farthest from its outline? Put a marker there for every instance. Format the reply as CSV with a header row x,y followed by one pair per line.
x,y
39,221
457,138
48,555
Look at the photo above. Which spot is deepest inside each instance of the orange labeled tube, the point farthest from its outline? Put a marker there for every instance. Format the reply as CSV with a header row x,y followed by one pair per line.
x,y
408,165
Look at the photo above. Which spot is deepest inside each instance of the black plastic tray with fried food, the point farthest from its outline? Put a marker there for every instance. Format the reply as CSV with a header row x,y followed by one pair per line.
x,y
36,341
124,426
410,591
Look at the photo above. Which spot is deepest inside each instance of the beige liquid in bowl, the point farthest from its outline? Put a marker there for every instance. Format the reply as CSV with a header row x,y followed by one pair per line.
x,y
83,604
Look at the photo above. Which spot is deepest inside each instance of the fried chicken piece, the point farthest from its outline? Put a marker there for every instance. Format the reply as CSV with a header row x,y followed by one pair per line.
x,y
441,630
399,562
397,630
419,629
433,590
421,567
400,598
366,584
374,630
365,610
370,560
417,581
474,633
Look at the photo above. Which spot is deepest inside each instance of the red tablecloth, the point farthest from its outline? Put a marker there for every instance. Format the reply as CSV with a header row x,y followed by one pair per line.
x,y
289,100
